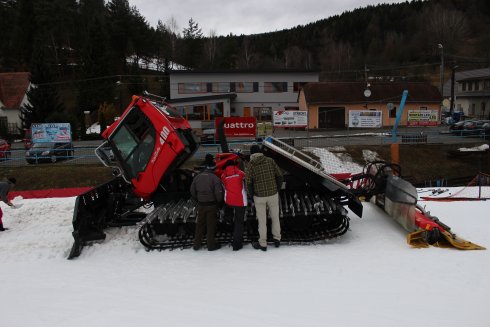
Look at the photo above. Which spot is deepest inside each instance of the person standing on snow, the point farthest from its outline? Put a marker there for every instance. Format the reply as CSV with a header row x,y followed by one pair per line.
x,y
207,190
5,188
264,180
235,198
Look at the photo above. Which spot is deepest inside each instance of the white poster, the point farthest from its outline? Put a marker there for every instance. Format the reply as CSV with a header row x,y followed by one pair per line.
x,y
365,118
422,117
290,118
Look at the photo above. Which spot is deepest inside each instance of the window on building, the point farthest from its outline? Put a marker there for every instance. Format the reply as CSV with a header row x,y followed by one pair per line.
x,y
392,112
3,124
463,86
263,113
220,87
196,113
477,85
244,87
181,110
192,88
473,109
486,84
216,110
470,86
275,87
298,85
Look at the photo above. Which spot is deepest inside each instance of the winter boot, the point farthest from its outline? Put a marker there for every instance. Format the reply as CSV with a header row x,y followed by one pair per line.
x,y
2,228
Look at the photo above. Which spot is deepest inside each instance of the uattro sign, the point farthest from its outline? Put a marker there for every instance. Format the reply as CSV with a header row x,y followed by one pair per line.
x,y
238,126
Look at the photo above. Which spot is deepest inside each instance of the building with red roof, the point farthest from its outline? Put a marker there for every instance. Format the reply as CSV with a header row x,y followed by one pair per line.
x,y
358,104
13,90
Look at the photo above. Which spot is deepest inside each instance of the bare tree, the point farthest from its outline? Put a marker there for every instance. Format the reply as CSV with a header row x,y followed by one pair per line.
x,y
248,55
446,26
210,47
335,56
295,57
172,25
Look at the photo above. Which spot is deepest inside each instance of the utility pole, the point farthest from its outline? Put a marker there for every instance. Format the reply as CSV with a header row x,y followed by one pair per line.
x,y
441,74
451,106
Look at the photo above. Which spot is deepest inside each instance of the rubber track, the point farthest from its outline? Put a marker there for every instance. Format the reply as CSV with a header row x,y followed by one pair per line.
x,y
180,235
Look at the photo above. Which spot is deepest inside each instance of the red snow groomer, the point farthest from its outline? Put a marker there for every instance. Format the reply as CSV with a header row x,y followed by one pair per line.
x,y
147,147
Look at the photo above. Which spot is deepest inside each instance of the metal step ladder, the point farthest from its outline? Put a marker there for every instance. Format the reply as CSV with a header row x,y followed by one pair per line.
x,y
302,159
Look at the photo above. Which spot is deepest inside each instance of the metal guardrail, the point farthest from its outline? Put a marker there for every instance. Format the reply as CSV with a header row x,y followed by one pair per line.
x,y
81,155
86,154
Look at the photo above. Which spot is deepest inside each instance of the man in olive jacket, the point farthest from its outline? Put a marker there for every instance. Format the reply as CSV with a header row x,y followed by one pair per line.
x,y
264,180
207,190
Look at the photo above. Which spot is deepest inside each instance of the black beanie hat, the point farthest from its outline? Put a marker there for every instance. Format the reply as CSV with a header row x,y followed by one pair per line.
x,y
209,158
255,149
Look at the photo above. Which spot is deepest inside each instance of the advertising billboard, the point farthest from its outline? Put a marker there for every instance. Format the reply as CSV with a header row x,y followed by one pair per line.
x,y
423,117
238,126
365,118
51,132
290,118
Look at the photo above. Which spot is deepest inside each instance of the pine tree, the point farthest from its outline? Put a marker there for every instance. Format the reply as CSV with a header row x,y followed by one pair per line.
x,y
43,99
192,45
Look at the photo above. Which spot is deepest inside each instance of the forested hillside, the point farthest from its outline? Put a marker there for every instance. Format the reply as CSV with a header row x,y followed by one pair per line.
x,y
78,51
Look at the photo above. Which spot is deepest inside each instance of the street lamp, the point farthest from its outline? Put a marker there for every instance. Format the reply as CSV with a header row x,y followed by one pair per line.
x,y
119,86
87,118
441,77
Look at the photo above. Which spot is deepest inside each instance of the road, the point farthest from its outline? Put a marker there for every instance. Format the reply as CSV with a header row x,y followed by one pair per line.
x,y
84,150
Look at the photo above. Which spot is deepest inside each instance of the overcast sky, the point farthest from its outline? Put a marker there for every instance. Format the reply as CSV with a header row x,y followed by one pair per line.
x,y
245,16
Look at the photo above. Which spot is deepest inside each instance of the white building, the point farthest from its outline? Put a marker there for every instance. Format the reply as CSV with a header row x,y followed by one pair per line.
x,y
203,96
471,93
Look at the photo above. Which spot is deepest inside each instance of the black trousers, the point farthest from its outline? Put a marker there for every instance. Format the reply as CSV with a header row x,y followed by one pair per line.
x,y
207,217
238,217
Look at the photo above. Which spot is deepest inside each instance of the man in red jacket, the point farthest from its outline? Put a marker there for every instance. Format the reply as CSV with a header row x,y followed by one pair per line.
x,y
236,198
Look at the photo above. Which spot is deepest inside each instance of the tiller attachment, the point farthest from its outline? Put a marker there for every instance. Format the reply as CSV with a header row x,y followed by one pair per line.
x,y
433,232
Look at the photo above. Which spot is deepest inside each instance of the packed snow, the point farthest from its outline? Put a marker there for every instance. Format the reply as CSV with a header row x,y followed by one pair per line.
x,y
368,277
483,147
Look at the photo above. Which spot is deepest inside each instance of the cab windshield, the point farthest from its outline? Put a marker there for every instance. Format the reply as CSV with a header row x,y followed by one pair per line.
x,y
134,141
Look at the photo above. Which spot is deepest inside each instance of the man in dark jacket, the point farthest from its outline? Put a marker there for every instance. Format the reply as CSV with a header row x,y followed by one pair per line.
x,y
5,188
264,180
207,190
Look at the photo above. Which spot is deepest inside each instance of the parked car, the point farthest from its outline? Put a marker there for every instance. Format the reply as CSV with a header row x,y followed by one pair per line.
x,y
475,127
485,129
458,126
4,150
208,137
469,127
49,152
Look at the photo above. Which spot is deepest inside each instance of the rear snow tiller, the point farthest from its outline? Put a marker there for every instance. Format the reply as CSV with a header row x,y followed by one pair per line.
x,y
146,148
381,182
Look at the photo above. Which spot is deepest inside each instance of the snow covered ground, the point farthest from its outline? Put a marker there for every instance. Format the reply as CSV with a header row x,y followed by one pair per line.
x,y
368,277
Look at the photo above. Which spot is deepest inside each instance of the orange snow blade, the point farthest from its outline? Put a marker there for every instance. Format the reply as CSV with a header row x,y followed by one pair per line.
x,y
459,243
418,239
